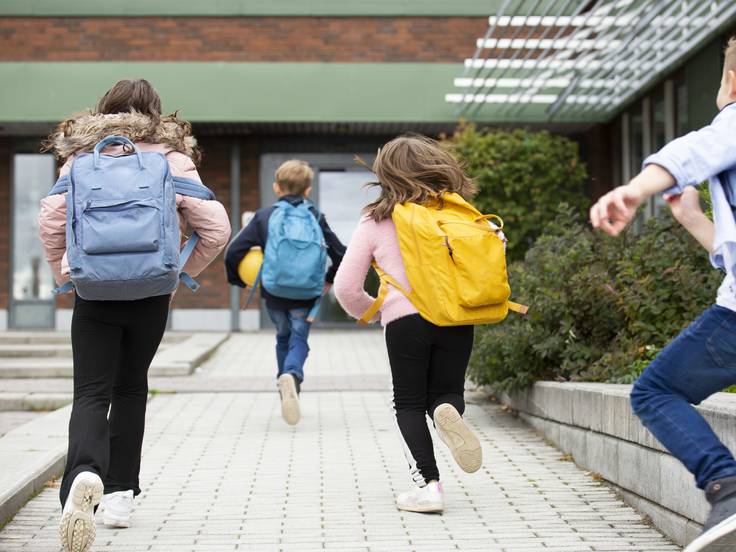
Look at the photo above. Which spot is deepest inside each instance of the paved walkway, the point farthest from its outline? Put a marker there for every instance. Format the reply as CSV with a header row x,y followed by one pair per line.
x,y
222,472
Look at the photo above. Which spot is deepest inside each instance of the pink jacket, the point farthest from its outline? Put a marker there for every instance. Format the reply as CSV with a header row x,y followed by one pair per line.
x,y
373,241
208,218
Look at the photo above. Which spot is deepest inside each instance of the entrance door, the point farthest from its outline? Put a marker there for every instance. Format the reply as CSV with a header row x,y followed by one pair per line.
x,y
31,300
342,195
339,193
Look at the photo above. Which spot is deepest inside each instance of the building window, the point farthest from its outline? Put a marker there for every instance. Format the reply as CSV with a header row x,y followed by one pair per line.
x,y
682,119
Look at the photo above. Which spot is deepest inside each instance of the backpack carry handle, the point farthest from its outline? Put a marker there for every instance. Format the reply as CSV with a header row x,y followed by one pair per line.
x,y
490,218
114,139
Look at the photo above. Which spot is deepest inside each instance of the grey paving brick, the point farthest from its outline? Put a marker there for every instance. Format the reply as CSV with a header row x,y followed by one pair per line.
x,y
222,472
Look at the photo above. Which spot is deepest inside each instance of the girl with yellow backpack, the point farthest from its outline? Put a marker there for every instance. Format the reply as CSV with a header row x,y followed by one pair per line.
x,y
442,269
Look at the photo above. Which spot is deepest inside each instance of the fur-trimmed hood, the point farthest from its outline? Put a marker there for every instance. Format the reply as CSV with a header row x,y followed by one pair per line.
x,y
82,132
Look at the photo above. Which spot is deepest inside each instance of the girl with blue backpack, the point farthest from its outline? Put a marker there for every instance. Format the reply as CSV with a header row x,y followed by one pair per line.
x,y
112,230
296,241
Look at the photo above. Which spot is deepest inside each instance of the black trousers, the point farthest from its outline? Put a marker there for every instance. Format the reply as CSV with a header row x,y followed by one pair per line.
x,y
428,365
113,343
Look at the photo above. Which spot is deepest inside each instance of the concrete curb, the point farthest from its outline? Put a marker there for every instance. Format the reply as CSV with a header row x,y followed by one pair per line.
x,y
31,455
178,359
33,402
594,423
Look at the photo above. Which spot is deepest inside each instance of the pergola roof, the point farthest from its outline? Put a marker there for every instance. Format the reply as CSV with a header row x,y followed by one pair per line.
x,y
581,59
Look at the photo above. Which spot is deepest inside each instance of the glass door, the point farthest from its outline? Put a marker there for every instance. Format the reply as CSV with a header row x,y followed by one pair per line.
x,y
342,196
31,299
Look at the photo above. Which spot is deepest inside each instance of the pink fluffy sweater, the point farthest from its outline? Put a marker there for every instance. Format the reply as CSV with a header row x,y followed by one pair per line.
x,y
372,241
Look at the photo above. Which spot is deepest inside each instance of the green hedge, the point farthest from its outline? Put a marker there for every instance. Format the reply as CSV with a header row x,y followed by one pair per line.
x,y
522,176
600,307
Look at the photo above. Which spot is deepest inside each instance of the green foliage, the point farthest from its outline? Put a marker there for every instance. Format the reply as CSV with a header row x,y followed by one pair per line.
x,y
601,307
522,176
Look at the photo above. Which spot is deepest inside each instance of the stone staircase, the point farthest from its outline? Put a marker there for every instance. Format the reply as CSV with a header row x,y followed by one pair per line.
x,y
49,354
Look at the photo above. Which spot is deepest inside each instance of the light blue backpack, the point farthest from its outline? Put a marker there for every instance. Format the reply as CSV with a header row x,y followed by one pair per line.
x,y
122,229
295,260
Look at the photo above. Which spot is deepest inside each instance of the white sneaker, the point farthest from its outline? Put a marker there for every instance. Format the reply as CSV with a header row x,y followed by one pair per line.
x,y
458,437
721,538
422,499
77,528
116,509
289,399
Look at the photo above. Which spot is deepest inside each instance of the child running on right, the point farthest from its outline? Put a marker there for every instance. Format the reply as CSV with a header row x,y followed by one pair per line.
x,y
702,359
428,362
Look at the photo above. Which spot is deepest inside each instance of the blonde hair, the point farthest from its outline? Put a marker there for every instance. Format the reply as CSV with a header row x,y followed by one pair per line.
x,y
729,61
294,177
417,169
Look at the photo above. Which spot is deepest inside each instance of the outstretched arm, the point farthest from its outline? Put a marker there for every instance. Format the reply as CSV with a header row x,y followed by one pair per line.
x,y
682,163
352,272
615,210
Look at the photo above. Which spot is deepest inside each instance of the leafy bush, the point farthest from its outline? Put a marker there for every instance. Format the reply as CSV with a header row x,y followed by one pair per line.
x,y
601,307
522,176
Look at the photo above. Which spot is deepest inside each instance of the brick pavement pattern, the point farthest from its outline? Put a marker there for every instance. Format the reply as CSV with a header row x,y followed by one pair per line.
x,y
223,472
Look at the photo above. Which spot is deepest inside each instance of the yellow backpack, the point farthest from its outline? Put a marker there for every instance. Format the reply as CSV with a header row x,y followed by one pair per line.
x,y
455,263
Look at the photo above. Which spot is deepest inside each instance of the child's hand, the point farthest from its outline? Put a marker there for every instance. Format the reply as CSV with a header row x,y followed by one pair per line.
x,y
684,205
616,209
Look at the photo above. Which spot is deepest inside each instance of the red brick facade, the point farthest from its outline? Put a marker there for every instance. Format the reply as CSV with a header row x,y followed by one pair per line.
x,y
295,39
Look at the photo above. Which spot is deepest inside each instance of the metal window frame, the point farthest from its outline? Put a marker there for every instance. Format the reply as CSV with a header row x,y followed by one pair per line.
x,y
23,146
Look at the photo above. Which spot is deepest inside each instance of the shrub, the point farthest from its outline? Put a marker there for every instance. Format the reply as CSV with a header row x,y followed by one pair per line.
x,y
522,176
600,307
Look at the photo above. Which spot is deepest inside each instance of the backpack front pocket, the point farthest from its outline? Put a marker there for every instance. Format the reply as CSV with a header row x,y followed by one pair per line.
x,y
480,268
120,226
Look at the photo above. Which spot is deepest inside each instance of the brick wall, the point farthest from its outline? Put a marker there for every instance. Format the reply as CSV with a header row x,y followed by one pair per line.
x,y
4,221
365,39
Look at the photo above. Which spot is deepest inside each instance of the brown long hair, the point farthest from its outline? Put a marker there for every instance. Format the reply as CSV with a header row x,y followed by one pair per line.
x,y
414,168
131,95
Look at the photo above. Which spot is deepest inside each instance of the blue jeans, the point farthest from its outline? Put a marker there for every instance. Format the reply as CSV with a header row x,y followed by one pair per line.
x,y
292,332
699,362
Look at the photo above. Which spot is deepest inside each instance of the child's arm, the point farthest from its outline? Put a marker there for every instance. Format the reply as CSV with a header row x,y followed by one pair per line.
x,y
686,209
335,250
354,268
248,237
687,161
52,231
207,218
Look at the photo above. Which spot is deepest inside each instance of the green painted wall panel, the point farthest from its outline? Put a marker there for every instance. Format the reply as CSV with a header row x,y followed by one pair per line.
x,y
254,7
247,92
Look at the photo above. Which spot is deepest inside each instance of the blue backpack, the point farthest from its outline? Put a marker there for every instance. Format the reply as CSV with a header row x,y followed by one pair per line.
x,y
295,260
122,229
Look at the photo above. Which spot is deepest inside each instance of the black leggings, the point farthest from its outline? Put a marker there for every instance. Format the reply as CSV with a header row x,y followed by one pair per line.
x,y
428,365
113,344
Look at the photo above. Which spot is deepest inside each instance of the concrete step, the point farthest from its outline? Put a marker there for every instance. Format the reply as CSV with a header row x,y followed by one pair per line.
x,y
21,368
27,338
33,402
63,338
35,350
178,359
30,455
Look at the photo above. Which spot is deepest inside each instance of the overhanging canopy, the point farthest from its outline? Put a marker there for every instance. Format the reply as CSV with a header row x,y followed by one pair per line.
x,y
581,59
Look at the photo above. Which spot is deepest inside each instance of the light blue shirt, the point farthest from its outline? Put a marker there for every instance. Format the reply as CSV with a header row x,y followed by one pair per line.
x,y
710,154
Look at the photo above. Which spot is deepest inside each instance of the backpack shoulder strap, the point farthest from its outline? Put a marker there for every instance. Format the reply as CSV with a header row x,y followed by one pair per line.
x,y
61,186
182,185
386,280
516,307
192,188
